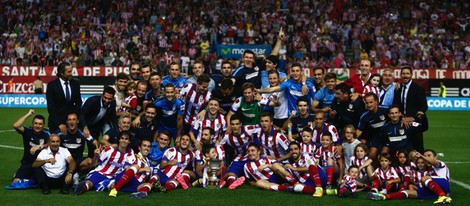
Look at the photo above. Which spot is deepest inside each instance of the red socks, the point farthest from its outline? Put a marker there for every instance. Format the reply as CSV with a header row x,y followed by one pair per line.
x,y
329,172
435,187
128,175
313,171
397,195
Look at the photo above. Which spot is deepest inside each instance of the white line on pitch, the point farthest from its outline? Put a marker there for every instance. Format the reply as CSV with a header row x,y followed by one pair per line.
x,y
457,162
21,148
11,147
10,130
466,186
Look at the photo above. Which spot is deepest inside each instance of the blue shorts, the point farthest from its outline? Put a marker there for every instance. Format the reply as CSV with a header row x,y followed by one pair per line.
x,y
131,186
236,167
427,194
25,171
163,177
96,178
275,179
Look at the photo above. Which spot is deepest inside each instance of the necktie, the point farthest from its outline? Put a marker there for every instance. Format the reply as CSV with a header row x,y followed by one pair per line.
x,y
67,91
403,99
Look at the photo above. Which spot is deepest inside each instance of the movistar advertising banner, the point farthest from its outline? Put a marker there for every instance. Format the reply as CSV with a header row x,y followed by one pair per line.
x,y
236,50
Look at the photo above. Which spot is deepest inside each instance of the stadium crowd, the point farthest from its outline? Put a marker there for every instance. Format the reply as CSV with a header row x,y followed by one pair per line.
x,y
154,132
332,34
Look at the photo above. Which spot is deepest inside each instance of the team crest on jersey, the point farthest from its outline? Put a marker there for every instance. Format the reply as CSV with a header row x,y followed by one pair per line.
x,y
173,108
350,106
41,141
181,84
401,131
270,142
382,117
256,68
182,107
78,140
152,127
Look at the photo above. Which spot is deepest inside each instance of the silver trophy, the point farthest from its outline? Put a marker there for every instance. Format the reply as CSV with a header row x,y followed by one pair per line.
x,y
214,165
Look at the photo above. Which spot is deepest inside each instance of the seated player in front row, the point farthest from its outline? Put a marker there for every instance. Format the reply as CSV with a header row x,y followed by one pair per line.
x,y
111,162
435,185
135,178
265,173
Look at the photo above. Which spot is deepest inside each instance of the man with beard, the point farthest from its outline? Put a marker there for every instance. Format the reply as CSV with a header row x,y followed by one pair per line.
x,y
212,119
344,110
196,96
134,179
412,101
96,112
274,142
173,172
155,93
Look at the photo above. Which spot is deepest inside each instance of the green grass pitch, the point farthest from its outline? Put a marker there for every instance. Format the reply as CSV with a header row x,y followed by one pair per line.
x,y
448,134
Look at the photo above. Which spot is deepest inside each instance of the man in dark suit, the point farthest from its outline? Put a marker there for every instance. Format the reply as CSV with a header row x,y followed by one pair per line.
x,y
412,101
63,97
96,112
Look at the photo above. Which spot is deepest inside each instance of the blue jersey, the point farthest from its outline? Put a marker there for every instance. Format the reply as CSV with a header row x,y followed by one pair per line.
x,y
152,95
371,123
156,154
299,123
75,143
325,97
294,91
167,112
31,139
265,79
243,74
179,82
397,136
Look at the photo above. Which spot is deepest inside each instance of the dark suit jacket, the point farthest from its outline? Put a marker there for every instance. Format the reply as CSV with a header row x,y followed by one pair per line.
x,y
416,100
57,105
90,109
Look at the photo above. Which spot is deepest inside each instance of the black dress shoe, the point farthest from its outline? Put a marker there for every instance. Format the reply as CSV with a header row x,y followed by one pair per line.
x,y
46,191
64,191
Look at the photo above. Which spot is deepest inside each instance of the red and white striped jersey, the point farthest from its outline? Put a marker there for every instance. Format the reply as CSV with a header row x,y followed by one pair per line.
x,y
441,171
317,134
323,154
371,88
194,102
240,143
275,144
252,172
308,148
305,160
142,162
359,162
348,180
183,160
219,149
403,171
112,161
218,124
386,174
416,176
